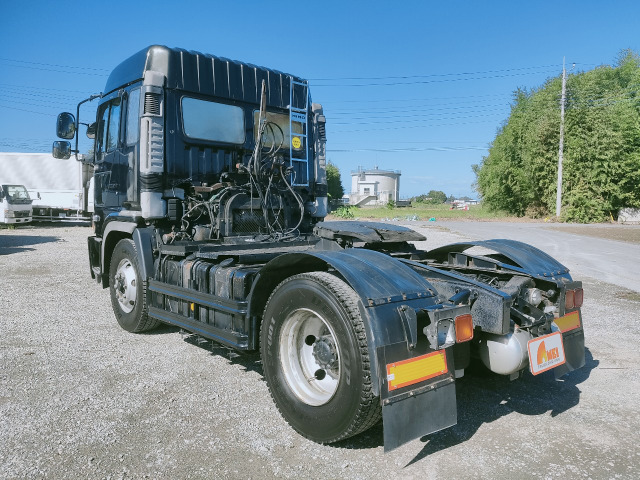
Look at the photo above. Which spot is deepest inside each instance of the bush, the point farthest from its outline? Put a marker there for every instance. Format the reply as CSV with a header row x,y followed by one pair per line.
x,y
346,211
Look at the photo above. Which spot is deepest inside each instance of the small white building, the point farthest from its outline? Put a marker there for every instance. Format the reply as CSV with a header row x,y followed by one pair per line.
x,y
374,186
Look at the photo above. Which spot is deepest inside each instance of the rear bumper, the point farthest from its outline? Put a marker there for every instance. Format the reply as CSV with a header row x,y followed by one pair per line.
x,y
11,221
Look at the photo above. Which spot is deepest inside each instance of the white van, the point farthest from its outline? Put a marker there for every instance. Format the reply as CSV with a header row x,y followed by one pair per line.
x,y
15,204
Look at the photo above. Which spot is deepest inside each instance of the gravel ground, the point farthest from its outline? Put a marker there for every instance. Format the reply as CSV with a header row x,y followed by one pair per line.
x,y
81,398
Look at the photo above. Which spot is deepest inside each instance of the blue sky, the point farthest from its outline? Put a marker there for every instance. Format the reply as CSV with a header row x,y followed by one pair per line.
x,y
420,87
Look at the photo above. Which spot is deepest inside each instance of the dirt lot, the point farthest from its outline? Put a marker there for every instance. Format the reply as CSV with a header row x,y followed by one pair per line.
x,y
81,398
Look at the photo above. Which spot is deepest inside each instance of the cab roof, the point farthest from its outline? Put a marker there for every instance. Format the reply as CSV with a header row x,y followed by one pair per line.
x,y
208,75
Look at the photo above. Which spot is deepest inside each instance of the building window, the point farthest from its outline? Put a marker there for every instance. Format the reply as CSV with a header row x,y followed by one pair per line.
x,y
367,191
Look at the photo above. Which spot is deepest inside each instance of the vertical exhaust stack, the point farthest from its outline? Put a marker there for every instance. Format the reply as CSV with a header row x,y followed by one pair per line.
x,y
320,206
152,147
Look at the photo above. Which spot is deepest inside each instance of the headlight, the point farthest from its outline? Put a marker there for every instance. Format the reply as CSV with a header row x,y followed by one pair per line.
x,y
9,214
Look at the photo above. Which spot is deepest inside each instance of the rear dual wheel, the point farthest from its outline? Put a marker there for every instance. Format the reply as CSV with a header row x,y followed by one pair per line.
x,y
316,358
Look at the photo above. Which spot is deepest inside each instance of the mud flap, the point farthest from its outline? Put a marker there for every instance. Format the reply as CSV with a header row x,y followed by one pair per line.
x,y
418,409
573,351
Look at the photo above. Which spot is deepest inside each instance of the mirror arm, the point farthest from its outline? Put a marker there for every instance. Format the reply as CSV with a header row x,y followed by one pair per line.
x,y
91,98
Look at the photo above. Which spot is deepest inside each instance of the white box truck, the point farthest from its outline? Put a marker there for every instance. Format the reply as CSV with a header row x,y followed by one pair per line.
x,y
15,204
60,189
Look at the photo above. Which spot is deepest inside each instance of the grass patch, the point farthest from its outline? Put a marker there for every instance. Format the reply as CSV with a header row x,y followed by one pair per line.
x,y
422,211
633,296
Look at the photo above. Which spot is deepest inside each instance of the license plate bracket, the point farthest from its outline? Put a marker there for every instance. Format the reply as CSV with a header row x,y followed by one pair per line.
x,y
546,352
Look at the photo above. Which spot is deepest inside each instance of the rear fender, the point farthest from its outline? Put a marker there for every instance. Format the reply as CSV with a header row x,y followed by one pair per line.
x,y
523,258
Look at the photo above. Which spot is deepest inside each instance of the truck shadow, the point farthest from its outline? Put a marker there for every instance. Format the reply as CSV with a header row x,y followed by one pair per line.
x,y
250,361
20,243
483,397
61,224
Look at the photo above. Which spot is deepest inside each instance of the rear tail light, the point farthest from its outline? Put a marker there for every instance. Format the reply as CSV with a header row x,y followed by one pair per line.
x,y
569,299
573,298
578,297
464,328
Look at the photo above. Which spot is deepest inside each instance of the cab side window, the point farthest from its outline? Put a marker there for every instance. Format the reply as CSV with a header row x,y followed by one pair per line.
x,y
108,128
133,117
114,127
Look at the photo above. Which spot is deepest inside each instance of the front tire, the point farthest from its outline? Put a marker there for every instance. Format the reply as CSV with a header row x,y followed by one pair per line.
x,y
316,359
128,289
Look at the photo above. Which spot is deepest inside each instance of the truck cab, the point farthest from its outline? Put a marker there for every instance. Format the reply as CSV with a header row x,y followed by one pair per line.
x,y
15,205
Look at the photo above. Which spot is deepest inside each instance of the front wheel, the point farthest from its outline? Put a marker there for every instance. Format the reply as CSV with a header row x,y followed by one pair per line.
x,y
316,358
128,289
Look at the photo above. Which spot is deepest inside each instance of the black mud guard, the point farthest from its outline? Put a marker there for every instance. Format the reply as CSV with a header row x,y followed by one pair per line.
x,y
420,409
574,352
527,258
143,240
387,289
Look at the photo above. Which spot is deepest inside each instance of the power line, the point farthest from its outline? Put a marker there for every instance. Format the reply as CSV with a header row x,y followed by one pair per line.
x,y
45,88
436,117
395,100
414,110
54,65
407,150
433,74
456,124
67,69
29,111
424,82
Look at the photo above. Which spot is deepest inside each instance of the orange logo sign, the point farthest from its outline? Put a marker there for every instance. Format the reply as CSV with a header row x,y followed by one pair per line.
x,y
545,355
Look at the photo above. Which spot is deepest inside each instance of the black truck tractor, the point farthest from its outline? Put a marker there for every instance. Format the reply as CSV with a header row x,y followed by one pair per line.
x,y
210,199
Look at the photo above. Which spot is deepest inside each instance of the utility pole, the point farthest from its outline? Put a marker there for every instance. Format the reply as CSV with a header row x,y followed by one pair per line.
x,y
561,148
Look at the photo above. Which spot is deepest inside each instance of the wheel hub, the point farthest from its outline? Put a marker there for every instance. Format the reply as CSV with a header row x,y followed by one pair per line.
x,y
310,357
124,285
324,351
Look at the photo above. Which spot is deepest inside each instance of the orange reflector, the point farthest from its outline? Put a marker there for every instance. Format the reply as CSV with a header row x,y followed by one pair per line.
x,y
418,369
570,321
569,299
464,328
578,297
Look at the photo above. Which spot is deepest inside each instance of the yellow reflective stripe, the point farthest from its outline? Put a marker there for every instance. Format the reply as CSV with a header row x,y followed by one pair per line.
x,y
570,321
414,370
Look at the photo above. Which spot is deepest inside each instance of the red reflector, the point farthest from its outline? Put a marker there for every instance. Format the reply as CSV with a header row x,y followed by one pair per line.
x,y
578,297
569,299
464,328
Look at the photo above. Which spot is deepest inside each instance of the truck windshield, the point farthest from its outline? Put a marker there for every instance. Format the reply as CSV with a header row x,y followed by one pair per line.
x,y
215,122
15,192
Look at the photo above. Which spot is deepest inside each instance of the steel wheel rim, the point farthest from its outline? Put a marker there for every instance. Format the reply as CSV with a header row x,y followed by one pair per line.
x,y
301,367
125,285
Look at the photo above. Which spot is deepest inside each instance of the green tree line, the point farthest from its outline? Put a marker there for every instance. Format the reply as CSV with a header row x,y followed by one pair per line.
x,y
601,166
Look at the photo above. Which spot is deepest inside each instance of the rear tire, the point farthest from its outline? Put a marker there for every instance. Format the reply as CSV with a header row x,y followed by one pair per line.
x,y
128,289
316,359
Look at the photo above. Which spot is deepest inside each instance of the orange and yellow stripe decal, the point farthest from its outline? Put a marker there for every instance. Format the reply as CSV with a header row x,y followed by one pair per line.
x,y
415,370
570,321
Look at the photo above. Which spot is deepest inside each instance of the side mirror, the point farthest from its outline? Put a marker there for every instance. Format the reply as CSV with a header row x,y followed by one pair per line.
x,y
91,130
61,150
66,126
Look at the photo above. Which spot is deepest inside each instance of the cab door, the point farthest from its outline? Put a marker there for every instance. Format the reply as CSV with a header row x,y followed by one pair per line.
x,y
111,171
